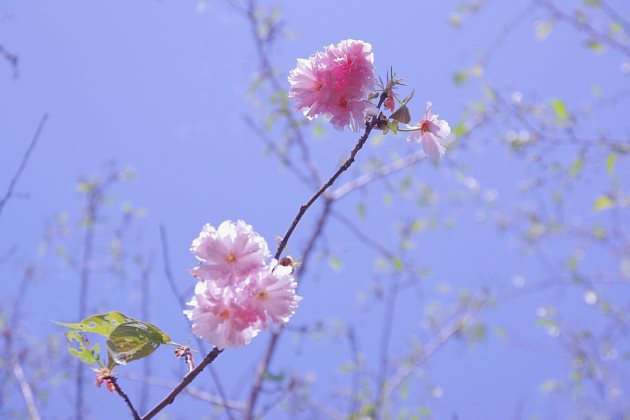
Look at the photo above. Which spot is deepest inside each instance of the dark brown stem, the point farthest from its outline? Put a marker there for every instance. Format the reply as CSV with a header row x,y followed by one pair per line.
x,y
183,384
125,397
366,134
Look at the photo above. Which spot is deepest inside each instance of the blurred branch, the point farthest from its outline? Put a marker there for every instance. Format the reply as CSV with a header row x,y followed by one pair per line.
x,y
9,193
25,388
11,58
261,42
190,390
377,174
445,333
582,26
182,304
263,367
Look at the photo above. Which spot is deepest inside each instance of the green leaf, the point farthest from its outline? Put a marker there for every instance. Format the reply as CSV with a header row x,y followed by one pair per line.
x,y
397,263
335,263
560,109
361,210
135,340
576,167
83,351
602,203
610,163
102,324
595,46
460,130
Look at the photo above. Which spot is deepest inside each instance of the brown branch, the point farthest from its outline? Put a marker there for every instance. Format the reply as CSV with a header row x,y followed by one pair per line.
x,y
114,382
183,384
9,193
344,167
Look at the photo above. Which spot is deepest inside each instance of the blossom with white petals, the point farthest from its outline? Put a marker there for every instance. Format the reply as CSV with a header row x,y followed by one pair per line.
x,y
431,131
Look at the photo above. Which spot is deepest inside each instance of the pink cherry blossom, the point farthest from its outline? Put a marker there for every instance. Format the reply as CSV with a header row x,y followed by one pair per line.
x,y
238,293
272,294
430,132
231,251
335,83
220,317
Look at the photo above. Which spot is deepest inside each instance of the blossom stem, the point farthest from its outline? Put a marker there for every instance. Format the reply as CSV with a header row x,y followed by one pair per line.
x,y
183,384
123,395
344,167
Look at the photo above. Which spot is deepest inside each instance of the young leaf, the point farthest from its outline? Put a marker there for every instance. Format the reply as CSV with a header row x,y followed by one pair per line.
x,y
135,340
402,114
83,352
102,324
602,203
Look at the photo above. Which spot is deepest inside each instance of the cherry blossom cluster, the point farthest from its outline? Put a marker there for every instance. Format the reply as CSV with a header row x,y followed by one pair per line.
x,y
239,292
339,84
335,83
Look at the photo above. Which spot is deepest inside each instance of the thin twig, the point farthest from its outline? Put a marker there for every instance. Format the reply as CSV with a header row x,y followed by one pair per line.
x,y
344,167
444,335
354,393
183,384
125,397
11,58
582,26
7,196
386,170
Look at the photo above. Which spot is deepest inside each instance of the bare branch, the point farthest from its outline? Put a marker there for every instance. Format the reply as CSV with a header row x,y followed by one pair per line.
x,y
114,382
183,384
9,193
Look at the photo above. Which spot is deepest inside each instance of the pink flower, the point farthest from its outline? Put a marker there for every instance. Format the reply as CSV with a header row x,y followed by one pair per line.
x,y
430,131
389,102
230,252
272,294
239,293
220,317
335,83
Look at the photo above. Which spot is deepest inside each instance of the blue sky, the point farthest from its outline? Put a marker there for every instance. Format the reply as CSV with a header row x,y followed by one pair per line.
x,y
162,87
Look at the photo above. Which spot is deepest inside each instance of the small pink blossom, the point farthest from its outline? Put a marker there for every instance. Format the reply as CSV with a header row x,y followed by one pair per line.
x,y
430,132
390,103
220,317
104,375
335,83
272,294
233,250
